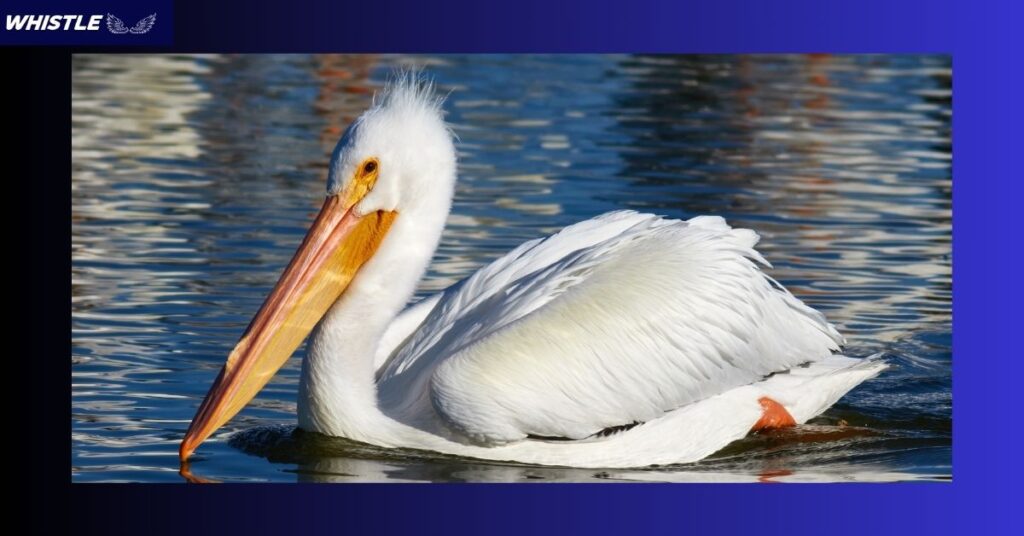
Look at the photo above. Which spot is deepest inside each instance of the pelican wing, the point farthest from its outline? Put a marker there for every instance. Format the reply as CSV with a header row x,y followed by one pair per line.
x,y
612,321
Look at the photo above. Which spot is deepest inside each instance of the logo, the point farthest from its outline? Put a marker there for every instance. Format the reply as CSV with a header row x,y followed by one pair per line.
x,y
77,23
116,25
85,22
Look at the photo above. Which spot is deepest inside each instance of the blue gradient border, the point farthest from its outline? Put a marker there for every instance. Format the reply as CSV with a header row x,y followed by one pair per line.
x,y
981,36
571,26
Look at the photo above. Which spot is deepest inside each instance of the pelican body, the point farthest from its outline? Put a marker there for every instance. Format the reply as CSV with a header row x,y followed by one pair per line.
x,y
625,340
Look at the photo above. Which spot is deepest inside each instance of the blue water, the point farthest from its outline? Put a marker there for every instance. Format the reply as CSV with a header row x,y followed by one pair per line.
x,y
194,178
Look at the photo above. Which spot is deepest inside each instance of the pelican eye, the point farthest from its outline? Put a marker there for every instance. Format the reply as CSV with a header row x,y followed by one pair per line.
x,y
363,181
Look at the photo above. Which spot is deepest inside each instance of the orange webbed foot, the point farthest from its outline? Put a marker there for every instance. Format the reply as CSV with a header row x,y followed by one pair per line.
x,y
774,417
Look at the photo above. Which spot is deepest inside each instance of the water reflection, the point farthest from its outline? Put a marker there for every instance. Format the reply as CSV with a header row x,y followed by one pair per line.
x,y
194,178
823,156
813,453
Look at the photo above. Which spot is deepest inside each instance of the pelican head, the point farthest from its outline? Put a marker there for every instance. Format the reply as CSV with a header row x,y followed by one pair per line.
x,y
392,173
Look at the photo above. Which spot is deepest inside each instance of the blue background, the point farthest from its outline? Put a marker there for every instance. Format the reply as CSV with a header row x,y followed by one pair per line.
x,y
982,36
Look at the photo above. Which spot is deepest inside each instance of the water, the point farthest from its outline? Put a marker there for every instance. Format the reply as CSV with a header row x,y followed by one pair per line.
x,y
194,178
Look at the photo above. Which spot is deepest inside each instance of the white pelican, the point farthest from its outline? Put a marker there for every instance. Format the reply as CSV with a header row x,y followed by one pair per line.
x,y
625,340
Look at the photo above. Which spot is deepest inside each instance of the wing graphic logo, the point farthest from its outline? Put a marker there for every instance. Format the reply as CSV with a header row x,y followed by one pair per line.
x,y
117,26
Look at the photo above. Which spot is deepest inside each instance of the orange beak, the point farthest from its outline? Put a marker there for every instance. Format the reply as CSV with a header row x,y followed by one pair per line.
x,y
335,248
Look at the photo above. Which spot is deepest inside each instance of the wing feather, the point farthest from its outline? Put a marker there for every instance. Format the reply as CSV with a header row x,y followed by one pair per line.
x,y
614,320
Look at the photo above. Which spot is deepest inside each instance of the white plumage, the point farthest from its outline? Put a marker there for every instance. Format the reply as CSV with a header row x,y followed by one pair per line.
x,y
624,340
614,320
